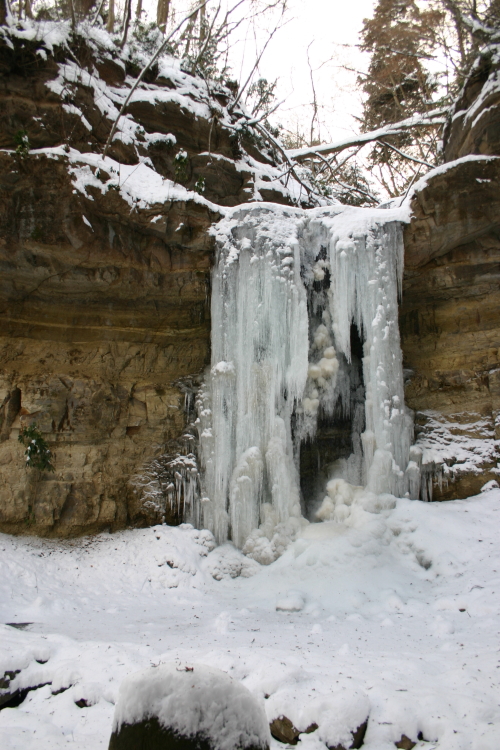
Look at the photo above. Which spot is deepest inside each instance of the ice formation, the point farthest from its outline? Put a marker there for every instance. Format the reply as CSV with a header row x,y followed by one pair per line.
x,y
259,371
288,287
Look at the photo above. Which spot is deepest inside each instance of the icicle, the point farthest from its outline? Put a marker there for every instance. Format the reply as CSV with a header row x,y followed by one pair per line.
x,y
258,373
366,280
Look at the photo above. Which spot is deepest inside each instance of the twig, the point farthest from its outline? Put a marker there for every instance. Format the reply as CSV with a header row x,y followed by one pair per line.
x,y
406,156
349,187
242,89
256,120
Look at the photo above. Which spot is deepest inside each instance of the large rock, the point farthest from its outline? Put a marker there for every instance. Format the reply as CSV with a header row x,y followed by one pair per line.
x,y
449,322
191,708
450,327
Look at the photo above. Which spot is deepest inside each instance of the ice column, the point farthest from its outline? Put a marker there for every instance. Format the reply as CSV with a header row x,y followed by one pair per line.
x,y
258,373
366,259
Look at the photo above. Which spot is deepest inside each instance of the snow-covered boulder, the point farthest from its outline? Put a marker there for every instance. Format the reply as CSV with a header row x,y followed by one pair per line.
x,y
184,708
226,562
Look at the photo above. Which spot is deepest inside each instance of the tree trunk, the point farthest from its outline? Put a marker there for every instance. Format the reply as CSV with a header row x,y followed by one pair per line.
x,y
111,16
83,8
72,11
3,12
189,32
138,11
203,24
126,22
162,12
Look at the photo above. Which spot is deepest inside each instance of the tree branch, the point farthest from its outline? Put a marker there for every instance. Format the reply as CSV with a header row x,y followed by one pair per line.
x,y
430,119
406,156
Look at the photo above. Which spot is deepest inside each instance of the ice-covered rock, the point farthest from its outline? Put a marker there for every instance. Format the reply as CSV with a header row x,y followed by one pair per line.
x,y
294,601
228,562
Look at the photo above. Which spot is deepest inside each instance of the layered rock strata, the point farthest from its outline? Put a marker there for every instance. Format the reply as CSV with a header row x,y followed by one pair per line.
x,y
450,325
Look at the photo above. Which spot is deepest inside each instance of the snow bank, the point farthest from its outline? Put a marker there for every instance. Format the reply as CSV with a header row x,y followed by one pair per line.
x,y
400,619
194,701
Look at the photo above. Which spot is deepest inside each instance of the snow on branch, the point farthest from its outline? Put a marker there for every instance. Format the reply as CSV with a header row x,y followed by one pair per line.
x,y
431,119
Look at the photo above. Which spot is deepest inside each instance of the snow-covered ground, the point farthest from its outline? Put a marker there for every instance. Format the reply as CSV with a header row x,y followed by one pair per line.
x,y
395,617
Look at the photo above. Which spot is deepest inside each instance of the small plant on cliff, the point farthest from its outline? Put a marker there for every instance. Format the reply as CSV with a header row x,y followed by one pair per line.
x,y
22,143
39,458
181,163
37,453
200,186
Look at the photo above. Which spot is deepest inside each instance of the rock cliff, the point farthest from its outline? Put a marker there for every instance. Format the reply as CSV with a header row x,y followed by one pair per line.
x,y
105,279
105,269
450,325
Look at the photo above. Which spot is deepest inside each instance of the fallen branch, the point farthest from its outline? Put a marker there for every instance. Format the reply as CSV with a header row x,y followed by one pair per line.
x,y
430,120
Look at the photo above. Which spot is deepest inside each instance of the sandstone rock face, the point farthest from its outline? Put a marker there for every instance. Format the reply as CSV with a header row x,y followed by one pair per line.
x,y
98,323
104,300
450,325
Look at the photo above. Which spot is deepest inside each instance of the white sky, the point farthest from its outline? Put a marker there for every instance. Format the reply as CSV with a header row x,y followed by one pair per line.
x,y
325,26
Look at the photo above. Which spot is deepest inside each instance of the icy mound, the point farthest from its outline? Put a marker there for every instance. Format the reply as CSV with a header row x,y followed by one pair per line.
x,y
348,504
228,562
198,702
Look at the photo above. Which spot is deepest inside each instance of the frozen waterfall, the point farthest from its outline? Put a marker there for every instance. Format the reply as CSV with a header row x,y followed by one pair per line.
x,y
288,286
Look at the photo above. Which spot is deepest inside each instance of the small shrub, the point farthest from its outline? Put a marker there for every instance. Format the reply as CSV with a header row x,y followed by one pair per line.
x,y
200,186
147,37
181,163
37,453
22,143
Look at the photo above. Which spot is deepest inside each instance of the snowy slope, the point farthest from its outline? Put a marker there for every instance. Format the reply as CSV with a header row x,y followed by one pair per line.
x,y
395,617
